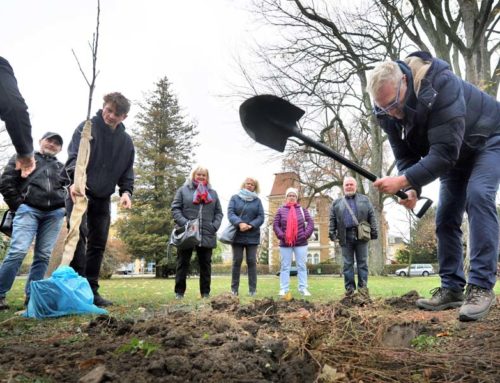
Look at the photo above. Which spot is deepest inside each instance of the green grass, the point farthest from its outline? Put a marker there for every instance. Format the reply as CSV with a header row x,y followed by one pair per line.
x,y
135,295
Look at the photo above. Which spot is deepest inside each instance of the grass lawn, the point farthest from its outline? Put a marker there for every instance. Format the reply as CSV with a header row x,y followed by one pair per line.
x,y
133,293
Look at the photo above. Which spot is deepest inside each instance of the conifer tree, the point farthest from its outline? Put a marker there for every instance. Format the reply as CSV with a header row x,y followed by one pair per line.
x,y
165,143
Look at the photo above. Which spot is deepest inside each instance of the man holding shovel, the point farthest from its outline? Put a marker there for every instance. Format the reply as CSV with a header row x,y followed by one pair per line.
x,y
110,164
440,126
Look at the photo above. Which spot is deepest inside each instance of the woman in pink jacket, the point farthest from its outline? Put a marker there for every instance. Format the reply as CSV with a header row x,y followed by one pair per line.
x,y
293,226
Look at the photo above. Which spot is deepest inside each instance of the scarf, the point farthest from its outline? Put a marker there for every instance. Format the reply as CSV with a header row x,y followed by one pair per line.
x,y
201,194
247,195
291,225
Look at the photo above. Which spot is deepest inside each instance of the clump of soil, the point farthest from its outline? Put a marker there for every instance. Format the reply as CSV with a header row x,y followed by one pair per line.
x,y
265,341
406,301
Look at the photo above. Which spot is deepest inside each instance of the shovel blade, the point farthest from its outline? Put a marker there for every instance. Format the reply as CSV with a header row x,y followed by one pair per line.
x,y
270,120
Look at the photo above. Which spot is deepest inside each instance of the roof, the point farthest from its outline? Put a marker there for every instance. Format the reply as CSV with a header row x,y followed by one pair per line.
x,y
283,181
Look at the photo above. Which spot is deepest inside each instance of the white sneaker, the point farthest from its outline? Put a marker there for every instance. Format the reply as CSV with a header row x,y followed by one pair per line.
x,y
282,293
305,293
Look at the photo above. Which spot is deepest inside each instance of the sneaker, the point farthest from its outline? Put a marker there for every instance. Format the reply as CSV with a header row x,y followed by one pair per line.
x,y
179,296
442,299
305,292
478,302
205,296
282,293
234,293
3,304
252,293
101,302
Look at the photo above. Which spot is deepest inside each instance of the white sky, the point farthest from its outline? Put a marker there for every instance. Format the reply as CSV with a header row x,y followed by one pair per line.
x,y
192,42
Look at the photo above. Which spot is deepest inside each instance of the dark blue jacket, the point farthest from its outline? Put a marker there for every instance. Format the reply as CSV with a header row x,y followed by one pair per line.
x,y
253,214
111,159
14,112
445,125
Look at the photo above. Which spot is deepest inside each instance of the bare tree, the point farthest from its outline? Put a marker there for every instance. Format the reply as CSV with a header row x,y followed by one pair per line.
x,y
455,30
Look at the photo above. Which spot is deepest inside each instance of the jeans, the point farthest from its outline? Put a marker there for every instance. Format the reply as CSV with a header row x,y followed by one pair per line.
x,y
471,188
94,231
359,249
28,223
184,259
251,252
286,254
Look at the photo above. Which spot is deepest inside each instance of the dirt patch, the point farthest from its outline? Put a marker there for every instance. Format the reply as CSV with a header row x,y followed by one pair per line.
x,y
266,341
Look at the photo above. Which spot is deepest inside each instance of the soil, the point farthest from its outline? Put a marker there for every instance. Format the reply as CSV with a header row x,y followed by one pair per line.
x,y
352,340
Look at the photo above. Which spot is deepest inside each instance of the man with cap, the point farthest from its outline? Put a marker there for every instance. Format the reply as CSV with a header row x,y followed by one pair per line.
x,y
38,202
14,112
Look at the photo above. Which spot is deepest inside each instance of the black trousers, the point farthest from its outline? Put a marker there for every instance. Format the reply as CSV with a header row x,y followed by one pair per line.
x,y
94,231
204,260
251,252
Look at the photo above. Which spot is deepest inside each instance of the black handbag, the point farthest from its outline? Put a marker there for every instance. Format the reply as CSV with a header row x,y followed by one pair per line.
x,y
7,221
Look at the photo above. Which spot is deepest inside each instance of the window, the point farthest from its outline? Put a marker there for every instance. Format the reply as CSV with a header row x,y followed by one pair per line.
x,y
313,259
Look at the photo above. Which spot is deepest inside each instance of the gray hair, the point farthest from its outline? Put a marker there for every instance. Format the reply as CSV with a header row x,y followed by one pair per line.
x,y
387,71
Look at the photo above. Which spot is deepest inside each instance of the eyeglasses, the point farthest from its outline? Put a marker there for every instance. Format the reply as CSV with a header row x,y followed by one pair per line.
x,y
379,111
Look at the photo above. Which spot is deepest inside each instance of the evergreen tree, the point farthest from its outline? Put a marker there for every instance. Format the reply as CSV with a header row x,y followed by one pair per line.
x,y
164,143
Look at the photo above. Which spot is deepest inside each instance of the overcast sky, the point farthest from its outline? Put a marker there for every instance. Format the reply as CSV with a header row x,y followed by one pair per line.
x,y
194,43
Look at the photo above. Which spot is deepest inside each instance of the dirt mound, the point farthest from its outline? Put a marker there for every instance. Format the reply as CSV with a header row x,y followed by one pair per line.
x,y
266,341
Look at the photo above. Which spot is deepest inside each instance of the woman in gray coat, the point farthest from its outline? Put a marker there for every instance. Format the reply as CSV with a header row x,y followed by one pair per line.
x,y
197,198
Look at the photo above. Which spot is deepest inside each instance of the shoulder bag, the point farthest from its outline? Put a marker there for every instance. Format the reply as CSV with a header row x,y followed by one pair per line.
x,y
364,228
229,233
189,235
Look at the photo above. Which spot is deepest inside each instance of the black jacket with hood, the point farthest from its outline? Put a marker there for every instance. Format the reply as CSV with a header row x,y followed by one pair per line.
x,y
111,159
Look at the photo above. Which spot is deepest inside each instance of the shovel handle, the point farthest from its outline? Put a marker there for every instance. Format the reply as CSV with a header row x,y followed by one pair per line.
x,y
344,161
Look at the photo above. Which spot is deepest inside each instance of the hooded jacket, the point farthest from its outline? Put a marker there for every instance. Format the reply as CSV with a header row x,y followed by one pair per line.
x,y
445,124
183,210
111,159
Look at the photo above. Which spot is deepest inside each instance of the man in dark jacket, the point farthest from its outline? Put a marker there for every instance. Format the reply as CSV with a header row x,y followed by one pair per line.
x,y
345,215
39,205
440,126
110,164
14,112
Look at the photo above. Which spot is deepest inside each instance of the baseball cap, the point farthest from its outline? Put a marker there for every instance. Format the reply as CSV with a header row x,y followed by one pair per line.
x,y
53,135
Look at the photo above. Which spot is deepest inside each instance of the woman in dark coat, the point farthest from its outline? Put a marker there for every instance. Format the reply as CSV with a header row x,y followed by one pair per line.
x,y
197,198
245,211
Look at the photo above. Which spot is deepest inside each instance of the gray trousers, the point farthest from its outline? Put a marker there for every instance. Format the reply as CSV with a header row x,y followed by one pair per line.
x,y
251,253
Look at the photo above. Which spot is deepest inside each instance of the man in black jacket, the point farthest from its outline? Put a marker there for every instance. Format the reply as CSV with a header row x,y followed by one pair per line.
x,y
14,112
39,205
345,215
440,126
110,164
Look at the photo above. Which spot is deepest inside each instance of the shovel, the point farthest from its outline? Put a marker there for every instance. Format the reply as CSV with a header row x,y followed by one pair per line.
x,y
271,120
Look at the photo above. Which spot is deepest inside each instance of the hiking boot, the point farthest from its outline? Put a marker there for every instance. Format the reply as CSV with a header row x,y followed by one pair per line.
x,y
442,299
478,302
305,292
101,302
349,293
3,304
179,296
364,293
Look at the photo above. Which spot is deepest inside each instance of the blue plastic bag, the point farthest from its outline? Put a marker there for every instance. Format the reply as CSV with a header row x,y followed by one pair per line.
x,y
64,293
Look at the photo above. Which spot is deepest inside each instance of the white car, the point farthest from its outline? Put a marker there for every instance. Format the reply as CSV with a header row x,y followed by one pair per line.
x,y
424,269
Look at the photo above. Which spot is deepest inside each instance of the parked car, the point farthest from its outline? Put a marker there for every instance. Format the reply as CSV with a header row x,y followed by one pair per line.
x,y
423,269
293,271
